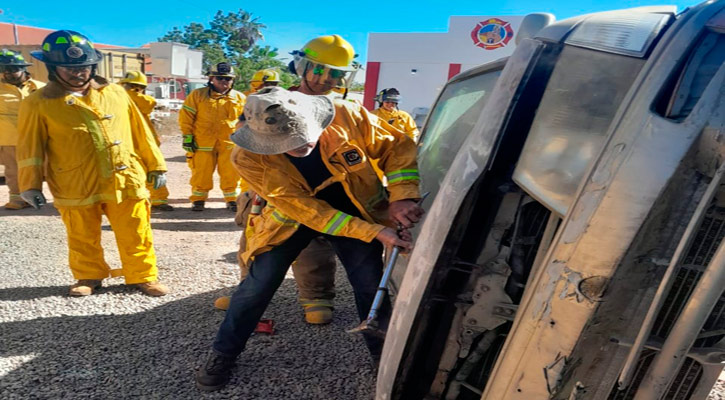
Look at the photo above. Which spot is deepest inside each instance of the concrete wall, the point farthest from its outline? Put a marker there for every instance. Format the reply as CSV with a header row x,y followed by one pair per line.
x,y
434,57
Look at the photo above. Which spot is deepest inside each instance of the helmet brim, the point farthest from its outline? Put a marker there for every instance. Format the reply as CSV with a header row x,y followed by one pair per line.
x,y
38,55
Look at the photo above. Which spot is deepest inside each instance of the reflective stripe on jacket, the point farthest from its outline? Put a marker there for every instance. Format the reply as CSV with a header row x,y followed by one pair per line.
x,y
354,138
10,97
210,116
399,119
97,145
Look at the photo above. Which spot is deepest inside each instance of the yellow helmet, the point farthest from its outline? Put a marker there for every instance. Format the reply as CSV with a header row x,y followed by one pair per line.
x,y
136,78
262,77
332,50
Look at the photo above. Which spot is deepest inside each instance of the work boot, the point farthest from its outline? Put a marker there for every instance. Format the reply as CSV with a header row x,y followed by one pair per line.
x,y
197,205
232,206
214,374
154,289
222,303
318,312
162,207
16,205
84,287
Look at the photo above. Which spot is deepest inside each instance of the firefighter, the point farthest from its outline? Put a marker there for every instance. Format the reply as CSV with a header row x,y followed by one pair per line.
x,y
135,83
98,148
15,85
314,270
308,157
388,100
207,119
262,78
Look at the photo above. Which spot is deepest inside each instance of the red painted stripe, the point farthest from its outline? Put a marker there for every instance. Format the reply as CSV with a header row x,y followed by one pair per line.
x,y
453,70
372,74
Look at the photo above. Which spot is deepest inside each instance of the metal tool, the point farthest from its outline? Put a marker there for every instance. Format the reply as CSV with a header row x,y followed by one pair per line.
x,y
371,325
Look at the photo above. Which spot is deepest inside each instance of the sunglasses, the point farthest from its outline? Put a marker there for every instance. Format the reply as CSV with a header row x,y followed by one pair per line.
x,y
76,69
334,73
223,78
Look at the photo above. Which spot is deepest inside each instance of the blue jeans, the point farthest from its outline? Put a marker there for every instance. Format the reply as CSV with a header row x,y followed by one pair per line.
x,y
362,261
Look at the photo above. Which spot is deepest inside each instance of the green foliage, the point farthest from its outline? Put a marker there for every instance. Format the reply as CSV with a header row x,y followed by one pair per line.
x,y
232,37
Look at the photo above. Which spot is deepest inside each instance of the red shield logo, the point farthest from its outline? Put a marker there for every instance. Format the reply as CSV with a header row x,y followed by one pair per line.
x,y
492,34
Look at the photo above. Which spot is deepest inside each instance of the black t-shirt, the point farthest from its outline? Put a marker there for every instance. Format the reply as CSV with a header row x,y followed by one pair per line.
x,y
315,172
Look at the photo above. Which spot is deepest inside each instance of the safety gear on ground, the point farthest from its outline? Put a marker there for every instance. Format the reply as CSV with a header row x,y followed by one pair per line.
x,y
34,197
330,56
388,95
211,118
98,146
153,288
16,205
197,206
222,69
264,77
317,312
10,98
67,49
130,222
353,138
400,120
232,206
279,121
189,144
222,303
157,178
84,287
215,372
10,58
136,78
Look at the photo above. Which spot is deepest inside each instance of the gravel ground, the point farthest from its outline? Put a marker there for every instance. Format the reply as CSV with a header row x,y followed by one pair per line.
x,y
121,344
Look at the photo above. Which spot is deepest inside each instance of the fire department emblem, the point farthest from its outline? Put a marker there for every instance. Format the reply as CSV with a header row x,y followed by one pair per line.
x,y
74,52
352,157
492,34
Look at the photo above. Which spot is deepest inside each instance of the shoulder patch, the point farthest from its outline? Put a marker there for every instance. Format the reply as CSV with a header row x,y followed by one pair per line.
x,y
352,157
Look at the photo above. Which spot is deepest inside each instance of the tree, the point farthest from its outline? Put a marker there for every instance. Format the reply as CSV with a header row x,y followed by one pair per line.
x,y
232,37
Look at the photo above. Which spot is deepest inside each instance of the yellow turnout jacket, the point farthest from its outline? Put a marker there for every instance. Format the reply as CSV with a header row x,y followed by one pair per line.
x,y
353,139
10,97
210,116
98,146
399,119
146,105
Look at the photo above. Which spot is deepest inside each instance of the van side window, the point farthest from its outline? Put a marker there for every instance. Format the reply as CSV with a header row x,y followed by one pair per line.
x,y
451,121
686,88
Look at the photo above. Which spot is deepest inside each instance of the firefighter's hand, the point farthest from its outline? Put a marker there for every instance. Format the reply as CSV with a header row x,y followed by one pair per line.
x,y
189,144
34,197
389,238
405,213
158,178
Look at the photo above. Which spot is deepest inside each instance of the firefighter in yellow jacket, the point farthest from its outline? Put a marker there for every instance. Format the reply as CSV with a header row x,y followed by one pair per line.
x,y
387,110
207,119
15,85
98,149
135,83
310,159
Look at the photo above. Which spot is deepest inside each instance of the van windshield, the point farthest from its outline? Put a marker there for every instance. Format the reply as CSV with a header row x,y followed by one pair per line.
x,y
450,123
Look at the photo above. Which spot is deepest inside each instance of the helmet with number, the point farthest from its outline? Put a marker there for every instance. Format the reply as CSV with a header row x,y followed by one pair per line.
x,y
135,78
10,58
222,69
391,95
331,55
264,77
67,49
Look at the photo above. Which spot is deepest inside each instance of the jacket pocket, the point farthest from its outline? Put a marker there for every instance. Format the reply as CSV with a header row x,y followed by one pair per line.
x,y
68,182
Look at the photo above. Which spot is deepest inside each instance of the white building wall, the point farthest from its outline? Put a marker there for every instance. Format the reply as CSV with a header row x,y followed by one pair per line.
x,y
431,54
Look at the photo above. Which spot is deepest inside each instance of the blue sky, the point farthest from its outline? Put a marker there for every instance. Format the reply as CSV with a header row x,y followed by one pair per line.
x,y
290,24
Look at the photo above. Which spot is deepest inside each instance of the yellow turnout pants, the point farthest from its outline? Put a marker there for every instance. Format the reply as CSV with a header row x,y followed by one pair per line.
x,y
158,196
131,226
7,158
203,163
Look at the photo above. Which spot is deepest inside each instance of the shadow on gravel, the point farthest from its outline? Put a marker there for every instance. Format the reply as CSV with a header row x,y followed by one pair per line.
x,y
45,211
191,226
181,158
153,354
30,293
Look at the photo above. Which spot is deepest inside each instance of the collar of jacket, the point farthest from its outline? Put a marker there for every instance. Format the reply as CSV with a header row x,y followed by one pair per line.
x,y
54,90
